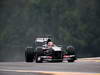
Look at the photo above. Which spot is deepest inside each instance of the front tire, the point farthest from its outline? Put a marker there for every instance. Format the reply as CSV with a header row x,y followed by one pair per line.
x,y
39,53
29,55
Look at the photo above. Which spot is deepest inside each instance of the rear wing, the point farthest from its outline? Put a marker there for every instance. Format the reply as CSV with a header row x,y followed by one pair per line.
x,y
41,39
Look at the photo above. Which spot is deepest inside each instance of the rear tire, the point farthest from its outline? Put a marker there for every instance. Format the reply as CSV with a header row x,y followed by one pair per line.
x,y
29,55
71,60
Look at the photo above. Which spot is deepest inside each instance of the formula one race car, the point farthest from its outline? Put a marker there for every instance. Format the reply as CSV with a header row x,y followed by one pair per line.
x,y
45,50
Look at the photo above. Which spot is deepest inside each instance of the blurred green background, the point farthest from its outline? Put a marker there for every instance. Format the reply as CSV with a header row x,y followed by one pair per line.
x,y
77,21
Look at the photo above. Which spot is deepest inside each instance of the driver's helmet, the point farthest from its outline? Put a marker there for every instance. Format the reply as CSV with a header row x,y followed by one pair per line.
x,y
50,44
49,40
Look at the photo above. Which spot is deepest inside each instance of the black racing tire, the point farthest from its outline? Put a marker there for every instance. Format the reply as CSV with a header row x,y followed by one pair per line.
x,y
71,60
29,55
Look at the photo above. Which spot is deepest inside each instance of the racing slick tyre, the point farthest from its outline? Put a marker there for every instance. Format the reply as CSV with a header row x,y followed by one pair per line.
x,y
70,60
29,55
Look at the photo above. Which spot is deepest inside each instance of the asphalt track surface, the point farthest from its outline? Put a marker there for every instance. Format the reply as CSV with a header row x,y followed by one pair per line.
x,y
89,66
